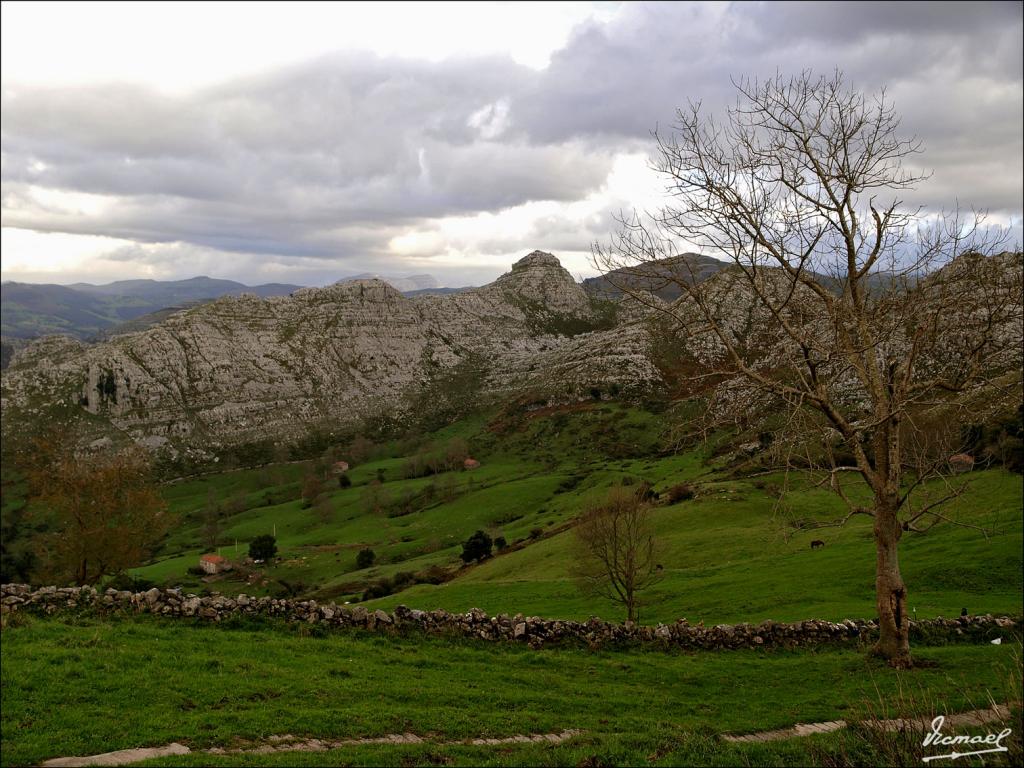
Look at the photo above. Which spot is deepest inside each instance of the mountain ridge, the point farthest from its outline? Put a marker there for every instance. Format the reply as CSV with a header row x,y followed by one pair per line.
x,y
244,368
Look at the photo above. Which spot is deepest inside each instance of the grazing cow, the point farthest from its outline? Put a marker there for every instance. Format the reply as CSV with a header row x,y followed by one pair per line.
x,y
817,543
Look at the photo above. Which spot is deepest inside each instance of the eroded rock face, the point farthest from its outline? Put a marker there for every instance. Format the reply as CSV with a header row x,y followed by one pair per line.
x,y
246,368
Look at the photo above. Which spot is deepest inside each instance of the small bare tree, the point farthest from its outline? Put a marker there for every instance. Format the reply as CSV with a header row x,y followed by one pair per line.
x,y
857,320
212,523
616,549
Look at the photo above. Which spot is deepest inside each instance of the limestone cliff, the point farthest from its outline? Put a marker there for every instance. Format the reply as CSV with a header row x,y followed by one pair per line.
x,y
245,368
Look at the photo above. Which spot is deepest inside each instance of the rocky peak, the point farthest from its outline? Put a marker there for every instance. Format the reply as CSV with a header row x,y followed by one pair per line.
x,y
243,368
540,279
368,289
537,259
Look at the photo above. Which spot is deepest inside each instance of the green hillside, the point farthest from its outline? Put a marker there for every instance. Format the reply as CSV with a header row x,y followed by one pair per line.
x,y
730,554
84,685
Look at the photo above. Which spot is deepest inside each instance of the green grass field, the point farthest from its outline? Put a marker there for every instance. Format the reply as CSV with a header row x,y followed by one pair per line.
x,y
79,687
84,686
728,555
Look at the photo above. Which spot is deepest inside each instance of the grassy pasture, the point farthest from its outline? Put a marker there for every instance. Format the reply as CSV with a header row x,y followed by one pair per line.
x,y
728,555
78,687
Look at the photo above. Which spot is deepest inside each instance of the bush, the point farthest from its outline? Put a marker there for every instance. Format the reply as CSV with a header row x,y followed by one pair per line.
x,y
535,533
344,481
681,492
381,588
125,581
569,483
500,543
477,547
403,579
263,547
365,558
435,574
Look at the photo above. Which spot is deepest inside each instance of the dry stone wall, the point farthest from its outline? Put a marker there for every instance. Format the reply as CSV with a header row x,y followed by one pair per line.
x,y
536,632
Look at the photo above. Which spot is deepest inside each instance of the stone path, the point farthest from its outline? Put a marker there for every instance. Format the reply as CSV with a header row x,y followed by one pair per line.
x,y
289,743
997,713
121,757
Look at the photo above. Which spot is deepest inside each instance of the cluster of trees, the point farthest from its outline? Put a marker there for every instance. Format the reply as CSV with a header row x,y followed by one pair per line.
x,y
432,459
379,500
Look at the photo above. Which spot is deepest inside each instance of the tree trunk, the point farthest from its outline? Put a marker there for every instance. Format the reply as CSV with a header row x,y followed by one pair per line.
x,y
890,592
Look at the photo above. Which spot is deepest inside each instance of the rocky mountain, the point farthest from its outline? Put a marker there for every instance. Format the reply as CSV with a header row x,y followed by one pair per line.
x,y
660,278
245,368
82,310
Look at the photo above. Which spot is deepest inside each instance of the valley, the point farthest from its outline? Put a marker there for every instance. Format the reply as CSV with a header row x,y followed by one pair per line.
x,y
728,554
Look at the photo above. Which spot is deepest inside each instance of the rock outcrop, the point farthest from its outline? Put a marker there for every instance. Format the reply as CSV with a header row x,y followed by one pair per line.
x,y
244,368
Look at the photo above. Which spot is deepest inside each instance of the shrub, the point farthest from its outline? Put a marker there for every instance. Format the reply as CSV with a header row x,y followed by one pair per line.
x,y
263,547
365,558
381,588
125,581
500,543
535,533
403,579
477,547
344,481
569,483
681,492
435,574
291,588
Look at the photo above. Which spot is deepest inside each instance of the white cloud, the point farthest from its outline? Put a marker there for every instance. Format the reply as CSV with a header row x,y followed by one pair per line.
x,y
180,46
307,141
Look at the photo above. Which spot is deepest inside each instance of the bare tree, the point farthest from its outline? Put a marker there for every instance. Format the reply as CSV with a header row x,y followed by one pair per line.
x,y
616,547
211,529
856,319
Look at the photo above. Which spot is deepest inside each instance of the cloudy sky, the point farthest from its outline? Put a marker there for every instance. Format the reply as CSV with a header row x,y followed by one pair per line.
x,y
301,143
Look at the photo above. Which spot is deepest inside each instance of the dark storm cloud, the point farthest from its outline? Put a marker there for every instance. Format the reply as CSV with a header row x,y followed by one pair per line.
x,y
953,71
331,159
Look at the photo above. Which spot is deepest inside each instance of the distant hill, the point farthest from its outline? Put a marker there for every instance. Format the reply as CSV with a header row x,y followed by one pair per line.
x,y
408,285
148,320
84,310
658,277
